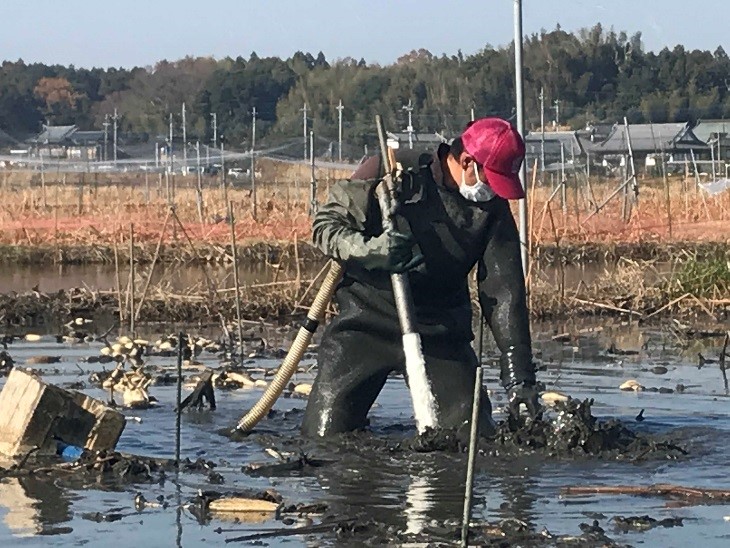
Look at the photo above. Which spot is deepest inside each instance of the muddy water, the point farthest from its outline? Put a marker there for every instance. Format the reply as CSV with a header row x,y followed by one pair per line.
x,y
405,491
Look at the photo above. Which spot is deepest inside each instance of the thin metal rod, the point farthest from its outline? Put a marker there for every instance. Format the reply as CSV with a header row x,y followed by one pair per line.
x,y
178,400
473,439
234,251
519,104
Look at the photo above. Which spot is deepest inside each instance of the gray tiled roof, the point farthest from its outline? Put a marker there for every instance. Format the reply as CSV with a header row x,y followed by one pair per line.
x,y
87,137
648,138
553,139
706,129
53,134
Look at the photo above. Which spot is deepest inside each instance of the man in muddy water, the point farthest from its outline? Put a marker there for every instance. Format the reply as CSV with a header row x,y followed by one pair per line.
x,y
453,213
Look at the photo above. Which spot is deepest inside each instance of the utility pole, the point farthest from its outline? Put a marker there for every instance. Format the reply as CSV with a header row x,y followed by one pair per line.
x,y
339,129
169,148
214,117
115,136
185,142
520,106
304,111
563,191
253,161
557,111
542,130
409,109
106,136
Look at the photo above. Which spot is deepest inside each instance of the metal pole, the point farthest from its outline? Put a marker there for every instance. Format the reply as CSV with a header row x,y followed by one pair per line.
x,y
304,128
115,136
223,173
409,108
106,136
473,441
542,131
563,192
185,143
519,100
339,132
712,161
253,162
178,411
200,182
169,148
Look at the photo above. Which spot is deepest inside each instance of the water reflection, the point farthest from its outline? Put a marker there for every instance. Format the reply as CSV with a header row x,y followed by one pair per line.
x,y
412,493
31,506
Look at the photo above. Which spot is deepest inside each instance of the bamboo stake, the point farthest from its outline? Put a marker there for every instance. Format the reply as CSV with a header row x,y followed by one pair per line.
x,y
473,439
296,260
211,285
131,279
235,281
119,284
178,410
152,267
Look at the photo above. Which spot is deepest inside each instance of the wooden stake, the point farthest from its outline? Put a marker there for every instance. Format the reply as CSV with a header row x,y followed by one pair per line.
x,y
235,281
119,284
131,280
152,267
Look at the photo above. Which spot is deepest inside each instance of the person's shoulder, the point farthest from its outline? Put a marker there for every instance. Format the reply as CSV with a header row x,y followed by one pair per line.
x,y
369,168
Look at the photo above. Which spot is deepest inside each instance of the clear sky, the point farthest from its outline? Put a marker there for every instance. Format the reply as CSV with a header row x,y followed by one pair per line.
x,y
139,32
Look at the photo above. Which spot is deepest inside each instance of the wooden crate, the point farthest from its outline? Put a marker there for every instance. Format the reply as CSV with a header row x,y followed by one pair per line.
x,y
35,414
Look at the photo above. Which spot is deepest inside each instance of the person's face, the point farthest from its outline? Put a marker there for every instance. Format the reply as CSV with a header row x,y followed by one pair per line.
x,y
468,164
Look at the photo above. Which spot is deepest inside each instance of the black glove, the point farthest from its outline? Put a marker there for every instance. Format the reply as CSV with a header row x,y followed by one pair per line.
x,y
524,393
391,251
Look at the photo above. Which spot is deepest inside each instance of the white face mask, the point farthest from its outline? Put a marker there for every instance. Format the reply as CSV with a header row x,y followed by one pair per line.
x,y
479,191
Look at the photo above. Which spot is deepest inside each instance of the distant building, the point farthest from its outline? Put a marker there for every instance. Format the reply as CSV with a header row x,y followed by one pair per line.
x,y
419,140
716,133
68,142
557,145
676,142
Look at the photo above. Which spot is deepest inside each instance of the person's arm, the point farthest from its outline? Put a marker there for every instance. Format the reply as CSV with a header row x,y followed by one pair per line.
x,y
340,223
348,228
503,299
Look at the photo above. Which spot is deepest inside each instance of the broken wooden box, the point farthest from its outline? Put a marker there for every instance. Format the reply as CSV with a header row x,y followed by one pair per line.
x,y
36,414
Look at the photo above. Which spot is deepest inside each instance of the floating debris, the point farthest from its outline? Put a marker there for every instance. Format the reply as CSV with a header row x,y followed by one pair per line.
x,y
631,385
551,398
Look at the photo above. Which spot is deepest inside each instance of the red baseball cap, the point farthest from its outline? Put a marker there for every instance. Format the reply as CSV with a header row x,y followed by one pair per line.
x,y
497,146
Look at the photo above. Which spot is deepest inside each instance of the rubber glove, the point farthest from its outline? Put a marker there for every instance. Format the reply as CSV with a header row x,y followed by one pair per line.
x,y
391,251
526,393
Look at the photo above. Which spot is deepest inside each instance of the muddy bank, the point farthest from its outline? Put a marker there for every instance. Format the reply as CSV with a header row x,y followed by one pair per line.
x,y
589,252
282,305
202,252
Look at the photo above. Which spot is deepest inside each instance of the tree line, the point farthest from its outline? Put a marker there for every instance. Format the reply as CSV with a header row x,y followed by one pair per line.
x,y
590,76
